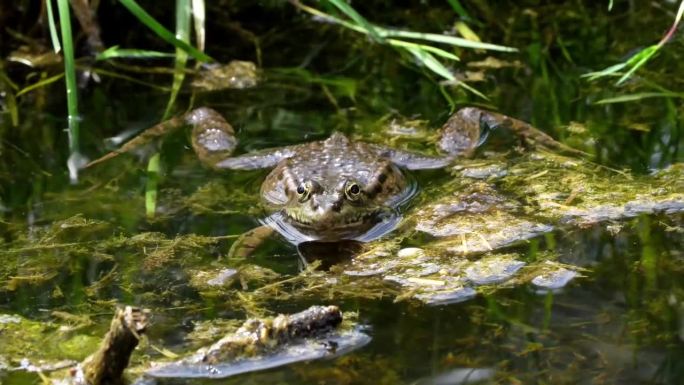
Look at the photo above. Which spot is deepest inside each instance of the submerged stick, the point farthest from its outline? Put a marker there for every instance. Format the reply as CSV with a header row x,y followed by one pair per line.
x,y
257,336
106,365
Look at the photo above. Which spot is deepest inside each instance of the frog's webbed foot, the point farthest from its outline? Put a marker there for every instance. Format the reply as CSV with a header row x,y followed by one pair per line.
x,y
214,141
463,132
469,127
213,138
246,243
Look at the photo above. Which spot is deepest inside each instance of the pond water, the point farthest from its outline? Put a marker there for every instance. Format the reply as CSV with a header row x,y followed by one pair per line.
x,y
71,252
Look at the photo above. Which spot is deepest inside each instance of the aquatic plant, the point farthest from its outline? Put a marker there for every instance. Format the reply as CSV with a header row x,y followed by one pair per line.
x,y
403,40
626,69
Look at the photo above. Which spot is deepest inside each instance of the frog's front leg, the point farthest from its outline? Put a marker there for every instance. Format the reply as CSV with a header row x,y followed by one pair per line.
x,y
213,140
247,242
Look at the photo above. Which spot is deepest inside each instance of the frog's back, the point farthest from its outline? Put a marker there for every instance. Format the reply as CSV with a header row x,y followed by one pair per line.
x,y
337,158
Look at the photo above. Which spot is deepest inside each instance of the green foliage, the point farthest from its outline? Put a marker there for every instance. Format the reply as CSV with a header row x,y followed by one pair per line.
x,y
637,60
162,32
114,52
72,90
423,53
53,28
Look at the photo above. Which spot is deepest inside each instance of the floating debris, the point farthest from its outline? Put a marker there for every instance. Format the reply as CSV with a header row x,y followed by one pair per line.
x,y
9,318
410,252
266,343
236,74
460,376
447,297
492,270
485,172
554,279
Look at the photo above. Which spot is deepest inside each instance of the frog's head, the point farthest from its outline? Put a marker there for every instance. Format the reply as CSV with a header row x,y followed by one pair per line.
x,y
331,203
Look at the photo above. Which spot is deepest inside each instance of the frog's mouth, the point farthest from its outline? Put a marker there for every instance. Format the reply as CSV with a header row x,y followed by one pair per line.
x,y
353,220
363,227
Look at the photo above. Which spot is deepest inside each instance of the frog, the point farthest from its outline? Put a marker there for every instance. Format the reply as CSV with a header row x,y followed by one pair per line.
x,y
338,188
335,189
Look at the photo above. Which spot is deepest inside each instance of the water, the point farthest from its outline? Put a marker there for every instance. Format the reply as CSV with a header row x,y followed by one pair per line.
x,y
78,250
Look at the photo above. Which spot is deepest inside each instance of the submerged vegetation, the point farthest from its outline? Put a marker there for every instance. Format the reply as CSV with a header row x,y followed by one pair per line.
x,y
519,264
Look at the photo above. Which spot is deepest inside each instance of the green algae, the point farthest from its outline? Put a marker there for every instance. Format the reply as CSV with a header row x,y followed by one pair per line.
x,y
490,204
42,342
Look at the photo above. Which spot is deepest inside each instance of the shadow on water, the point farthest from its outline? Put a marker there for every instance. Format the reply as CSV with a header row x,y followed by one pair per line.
x,y
70,253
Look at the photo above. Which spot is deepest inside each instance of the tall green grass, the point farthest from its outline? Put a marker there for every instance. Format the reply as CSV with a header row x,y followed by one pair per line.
x,y
183,25
75,160
162,32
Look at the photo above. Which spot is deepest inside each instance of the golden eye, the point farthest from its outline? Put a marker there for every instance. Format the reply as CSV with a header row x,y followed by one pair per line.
x,y
304,190
352,190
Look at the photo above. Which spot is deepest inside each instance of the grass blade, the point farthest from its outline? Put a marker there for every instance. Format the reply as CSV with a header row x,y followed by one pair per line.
x,y
388,33
605,72
435,66
431,63
162,32
431,49
115,52
639,96
42,83
56,46
357,18
642,57
75,160
466,32
446,39
183,18
8,88
458,8
199,17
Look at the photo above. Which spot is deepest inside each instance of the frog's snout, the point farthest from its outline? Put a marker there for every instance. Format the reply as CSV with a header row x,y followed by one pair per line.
x,y
326,206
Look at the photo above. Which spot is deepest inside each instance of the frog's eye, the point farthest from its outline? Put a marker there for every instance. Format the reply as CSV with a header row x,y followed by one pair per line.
x,y
304,190
352,190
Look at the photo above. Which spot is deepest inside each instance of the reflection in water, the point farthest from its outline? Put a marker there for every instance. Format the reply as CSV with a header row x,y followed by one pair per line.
x,y
328,253
386,221
460,376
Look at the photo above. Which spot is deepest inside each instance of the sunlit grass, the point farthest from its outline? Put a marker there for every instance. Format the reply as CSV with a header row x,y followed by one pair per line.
x,y
162,32
183,25
424,52
114,52
639,59
75,160
54,37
